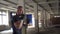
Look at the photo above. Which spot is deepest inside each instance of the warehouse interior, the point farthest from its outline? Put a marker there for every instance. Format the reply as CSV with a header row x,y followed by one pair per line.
x,y
45,15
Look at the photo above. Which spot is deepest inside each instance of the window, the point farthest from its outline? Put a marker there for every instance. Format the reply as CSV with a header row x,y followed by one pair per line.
x,y
3,18
0,20
0,12
13,14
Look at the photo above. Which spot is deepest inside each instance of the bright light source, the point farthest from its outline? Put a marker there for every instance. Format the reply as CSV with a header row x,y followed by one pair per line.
x,y
8,9
13,10
56,16
11,7
4,8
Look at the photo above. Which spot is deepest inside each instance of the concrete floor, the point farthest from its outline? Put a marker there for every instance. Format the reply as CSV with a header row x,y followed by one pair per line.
x,y
48,31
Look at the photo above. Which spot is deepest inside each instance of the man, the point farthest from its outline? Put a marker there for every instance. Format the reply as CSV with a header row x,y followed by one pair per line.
x,y
18,21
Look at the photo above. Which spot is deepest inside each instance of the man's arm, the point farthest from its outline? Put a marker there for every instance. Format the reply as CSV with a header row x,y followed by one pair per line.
x,y
21,24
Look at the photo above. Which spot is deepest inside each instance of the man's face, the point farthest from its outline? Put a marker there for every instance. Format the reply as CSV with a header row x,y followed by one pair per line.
x,y
19,11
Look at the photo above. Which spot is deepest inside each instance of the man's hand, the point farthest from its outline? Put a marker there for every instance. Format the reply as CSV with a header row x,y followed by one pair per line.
x,y
16,24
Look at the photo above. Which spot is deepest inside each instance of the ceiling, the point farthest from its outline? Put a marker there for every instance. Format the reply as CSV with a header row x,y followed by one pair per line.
x,y
8,4
50,6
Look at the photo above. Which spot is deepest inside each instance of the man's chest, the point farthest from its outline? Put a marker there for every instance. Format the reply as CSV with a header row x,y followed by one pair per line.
x,y
18,18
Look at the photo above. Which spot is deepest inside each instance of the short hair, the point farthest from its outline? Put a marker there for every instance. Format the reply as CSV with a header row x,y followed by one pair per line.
x,y
19,7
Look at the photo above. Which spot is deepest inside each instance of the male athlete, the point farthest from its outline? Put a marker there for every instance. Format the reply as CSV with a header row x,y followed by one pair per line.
x,y
18,21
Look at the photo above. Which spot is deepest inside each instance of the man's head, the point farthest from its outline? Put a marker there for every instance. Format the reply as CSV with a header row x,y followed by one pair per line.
x,y
19,10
